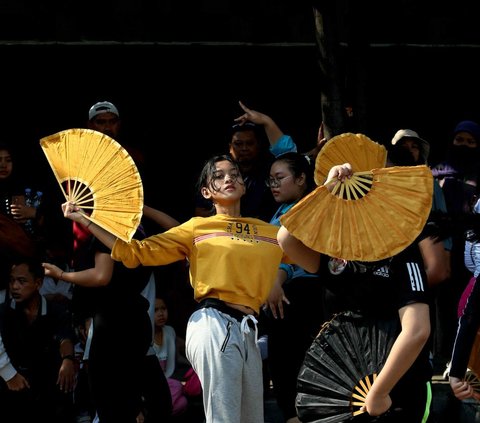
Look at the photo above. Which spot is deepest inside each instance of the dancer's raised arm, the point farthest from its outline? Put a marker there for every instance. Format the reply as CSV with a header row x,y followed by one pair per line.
x,y
75,213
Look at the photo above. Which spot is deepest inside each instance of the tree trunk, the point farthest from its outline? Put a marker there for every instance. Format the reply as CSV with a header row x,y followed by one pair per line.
x,y
325,13
343,73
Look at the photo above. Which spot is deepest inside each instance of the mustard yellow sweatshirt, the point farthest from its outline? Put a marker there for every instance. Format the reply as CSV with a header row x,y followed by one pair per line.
x,y
233,259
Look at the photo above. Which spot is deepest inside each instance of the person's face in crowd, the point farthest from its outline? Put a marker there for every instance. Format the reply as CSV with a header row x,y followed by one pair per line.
x,y
23,285
285,187
6,164
412,145
106,123
465,139
244,146
225,185
161,312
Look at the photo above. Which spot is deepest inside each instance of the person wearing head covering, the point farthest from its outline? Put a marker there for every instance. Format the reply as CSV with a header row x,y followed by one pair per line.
x,y
458,175
410,141
105,118
468,307
409,149
114,310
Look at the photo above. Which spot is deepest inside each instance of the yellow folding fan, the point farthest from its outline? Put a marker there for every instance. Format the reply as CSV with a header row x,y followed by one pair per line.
x,y
359,150
98,174
371,216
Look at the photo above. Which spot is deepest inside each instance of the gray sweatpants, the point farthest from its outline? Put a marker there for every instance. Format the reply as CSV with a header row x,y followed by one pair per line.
x,y
224,354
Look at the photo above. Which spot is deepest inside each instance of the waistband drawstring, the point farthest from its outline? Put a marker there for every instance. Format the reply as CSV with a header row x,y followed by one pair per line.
x,y
245,328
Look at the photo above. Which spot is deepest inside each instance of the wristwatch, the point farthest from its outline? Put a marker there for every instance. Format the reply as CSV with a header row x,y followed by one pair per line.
x,y
68,357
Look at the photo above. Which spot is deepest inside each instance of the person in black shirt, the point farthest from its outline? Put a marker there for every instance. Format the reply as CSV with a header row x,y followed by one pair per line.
x,y
391,289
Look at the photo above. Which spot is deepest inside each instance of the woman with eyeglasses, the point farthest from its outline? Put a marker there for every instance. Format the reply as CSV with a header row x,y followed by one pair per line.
x,y
294,307
254,155
233,262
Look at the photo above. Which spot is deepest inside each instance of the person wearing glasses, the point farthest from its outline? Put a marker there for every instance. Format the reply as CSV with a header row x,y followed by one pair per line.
x,y
292,311
248,148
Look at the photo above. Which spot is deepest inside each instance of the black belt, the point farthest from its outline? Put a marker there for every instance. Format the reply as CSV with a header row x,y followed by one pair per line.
x,y
221,306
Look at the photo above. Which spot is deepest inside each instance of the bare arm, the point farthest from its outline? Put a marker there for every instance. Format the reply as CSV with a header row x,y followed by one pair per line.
x,y
99,275
415,320
340,173
436,260
73,212
462,389
67,372
297,251
277,295
271,128
321,141
159,217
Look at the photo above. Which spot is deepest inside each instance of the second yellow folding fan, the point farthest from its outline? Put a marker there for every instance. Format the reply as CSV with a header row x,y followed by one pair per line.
x,y
371,216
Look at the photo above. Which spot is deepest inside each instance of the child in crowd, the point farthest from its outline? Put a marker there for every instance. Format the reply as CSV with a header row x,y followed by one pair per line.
x,y
166,351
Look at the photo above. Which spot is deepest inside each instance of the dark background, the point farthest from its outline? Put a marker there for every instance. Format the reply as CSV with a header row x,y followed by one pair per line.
x,y
176,103
176,73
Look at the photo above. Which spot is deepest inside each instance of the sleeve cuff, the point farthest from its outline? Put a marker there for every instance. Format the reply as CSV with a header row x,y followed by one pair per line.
x,y
7,372
283,145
